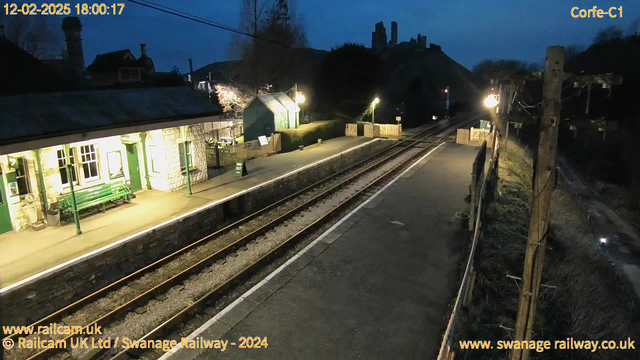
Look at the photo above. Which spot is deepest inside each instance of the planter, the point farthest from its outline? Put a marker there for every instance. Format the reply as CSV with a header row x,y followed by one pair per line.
x,y
462,219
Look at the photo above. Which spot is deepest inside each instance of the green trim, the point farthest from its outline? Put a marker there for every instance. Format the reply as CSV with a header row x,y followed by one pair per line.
x,y
186,157
143,141
43,191
74,204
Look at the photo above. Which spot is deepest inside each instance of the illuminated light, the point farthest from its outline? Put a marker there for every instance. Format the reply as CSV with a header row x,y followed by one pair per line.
x,y
300,98
376,101
603,240
491,101
446,91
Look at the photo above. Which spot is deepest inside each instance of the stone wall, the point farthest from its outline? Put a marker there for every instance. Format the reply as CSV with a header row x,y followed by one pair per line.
x,y
34,300
172,139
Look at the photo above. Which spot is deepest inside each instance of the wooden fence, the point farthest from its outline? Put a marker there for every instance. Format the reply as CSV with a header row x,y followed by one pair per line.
x,y
482,181
351,130
390,129
377,130
226,156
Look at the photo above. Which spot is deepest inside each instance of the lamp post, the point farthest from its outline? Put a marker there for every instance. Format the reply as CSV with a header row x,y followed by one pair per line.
x,y
373,112
299,99
446,92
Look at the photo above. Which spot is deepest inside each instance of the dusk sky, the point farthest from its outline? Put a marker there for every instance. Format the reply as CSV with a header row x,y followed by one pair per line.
x,y
468,31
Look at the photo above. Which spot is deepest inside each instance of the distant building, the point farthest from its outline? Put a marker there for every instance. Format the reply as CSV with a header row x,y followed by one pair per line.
x,y
379,39
120,67
268,113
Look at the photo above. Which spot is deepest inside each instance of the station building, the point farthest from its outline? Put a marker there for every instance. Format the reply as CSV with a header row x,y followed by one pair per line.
x,y
134,137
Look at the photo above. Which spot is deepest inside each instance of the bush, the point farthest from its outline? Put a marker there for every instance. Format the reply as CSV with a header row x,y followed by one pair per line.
x,y
310,133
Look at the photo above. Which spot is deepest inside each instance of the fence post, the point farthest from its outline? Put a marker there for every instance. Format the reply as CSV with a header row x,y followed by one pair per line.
x,y
473,187
217,152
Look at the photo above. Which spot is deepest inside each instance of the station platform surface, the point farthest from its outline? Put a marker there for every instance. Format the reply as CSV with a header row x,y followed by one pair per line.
x,y
377,285
27,253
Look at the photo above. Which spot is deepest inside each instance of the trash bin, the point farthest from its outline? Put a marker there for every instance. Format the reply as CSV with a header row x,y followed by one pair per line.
x,y
53,217
462,218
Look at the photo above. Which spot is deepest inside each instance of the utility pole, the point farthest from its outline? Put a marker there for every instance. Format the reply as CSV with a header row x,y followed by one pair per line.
x,y
543,181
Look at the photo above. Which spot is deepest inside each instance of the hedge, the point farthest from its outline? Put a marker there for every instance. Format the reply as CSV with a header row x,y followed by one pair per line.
x,y
308,134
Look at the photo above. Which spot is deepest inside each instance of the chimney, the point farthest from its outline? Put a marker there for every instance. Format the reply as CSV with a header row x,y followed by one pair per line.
x,y
75,63
394,33
143,50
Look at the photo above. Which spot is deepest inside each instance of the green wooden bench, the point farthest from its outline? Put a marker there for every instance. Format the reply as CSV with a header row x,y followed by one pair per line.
x,y
94,196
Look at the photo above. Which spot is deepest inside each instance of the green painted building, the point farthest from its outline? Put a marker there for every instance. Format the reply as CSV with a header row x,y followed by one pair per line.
x,y
267,114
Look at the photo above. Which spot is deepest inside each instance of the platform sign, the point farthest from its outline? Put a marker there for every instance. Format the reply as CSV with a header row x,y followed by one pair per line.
x,y
484,125
263,140
241,168
398,118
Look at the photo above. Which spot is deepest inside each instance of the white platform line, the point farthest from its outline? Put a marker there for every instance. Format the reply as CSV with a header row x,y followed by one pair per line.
x,y
257,286
171,221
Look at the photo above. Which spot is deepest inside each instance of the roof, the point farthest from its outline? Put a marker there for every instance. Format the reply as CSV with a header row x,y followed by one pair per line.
x,y
38,116
113,61
276,102
22,73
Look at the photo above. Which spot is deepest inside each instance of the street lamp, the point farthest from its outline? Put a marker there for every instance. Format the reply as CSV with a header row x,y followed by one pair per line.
x,y
373,112
491,101
299,99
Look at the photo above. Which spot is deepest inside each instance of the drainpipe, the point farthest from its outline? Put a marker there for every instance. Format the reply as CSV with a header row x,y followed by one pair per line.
x,y
43,191
143,138
74,204
186,156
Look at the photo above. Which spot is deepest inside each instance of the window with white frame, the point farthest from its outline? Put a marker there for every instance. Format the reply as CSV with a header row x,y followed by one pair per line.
x,y
189,155
62,167
89,158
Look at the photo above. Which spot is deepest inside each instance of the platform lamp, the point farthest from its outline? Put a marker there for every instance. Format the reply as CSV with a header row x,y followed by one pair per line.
x,y
298,98
373,111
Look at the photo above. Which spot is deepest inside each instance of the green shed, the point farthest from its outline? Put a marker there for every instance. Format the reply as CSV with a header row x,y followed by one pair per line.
x,y
268,113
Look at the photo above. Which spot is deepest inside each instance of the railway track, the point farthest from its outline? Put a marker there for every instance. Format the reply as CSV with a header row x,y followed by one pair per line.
x,y
134,294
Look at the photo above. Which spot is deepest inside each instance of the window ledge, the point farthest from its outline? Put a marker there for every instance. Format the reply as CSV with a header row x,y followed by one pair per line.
x,y
191,170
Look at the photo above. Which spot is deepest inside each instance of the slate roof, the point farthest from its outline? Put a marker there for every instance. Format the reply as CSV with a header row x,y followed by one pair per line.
x,y
37,116
113,61
276,102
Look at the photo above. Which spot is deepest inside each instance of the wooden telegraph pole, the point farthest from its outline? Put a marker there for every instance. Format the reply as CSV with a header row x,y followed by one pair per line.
x,y
543,183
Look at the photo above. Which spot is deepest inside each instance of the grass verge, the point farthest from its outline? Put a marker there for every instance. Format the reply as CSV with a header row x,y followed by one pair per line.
x,y
591,301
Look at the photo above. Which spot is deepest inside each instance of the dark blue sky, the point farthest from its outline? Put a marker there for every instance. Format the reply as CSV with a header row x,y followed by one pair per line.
x,y
468,31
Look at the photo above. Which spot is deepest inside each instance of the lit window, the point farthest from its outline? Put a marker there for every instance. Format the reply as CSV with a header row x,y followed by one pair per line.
x,y
114,162
153,156
89,162
189,155
22,176
62,167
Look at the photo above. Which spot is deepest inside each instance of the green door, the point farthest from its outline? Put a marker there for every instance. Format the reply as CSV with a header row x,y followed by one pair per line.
x,y
134,167
5,219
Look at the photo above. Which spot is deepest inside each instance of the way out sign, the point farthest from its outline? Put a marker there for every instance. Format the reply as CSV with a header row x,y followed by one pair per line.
x,y
241,168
